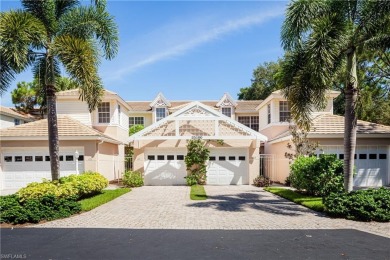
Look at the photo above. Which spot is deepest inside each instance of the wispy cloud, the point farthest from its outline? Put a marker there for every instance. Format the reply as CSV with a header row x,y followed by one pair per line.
x,y
176,44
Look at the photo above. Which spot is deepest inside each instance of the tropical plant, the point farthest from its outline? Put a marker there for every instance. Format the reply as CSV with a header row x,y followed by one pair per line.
x,y
133,179
320,38
196,158
135,128
47,33
301,145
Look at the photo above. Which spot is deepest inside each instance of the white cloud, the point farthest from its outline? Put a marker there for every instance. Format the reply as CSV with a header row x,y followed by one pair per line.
x,y
179,38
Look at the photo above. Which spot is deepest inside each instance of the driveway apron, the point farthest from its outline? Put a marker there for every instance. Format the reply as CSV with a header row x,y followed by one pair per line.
x,y
227,207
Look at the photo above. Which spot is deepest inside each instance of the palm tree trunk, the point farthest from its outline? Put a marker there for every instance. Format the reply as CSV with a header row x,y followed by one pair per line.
x,y
350,119
52,123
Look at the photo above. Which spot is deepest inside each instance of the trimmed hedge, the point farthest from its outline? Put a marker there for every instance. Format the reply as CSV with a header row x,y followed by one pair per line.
x,y
317,176
133,179
79,186
363,205
47,207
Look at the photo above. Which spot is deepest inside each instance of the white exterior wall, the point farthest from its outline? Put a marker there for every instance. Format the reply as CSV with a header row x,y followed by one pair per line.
x,y
76,109
6,121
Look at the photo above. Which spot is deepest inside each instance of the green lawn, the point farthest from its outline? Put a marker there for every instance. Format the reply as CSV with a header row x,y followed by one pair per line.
x,y
311,202
106,196
198,193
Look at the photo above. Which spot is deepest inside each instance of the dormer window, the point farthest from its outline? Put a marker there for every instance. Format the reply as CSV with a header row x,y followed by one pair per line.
x,y
284,111
160,113
104,112
227,111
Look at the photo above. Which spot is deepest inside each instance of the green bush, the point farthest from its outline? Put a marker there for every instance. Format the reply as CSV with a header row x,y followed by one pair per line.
x,y
364,205
47,207
133,179
191,180
261,181
84,185
317,176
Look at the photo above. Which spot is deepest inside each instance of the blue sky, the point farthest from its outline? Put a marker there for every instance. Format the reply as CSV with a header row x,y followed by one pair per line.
x,y
189,50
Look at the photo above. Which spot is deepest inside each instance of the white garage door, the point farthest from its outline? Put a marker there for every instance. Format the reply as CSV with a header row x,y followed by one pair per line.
x,y
228,167
371,164
165,166
22,166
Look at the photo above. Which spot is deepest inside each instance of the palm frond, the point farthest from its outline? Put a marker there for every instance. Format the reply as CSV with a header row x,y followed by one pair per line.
x,y
19,31
7,75
299,17
80,59
90,22
62,6
44,10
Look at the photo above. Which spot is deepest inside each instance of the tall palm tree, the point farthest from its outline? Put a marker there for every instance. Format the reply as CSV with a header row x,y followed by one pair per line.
x,y
322,38
48,33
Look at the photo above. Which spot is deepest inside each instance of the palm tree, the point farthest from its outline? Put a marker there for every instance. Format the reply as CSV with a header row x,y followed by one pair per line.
x,y
322,38
48,33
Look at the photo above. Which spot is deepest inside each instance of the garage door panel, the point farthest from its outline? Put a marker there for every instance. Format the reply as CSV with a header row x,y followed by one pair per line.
x,y
164,172
371,164
17,174
226,168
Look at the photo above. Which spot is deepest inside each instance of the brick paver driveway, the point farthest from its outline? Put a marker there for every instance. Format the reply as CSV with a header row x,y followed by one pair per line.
x,y
228,207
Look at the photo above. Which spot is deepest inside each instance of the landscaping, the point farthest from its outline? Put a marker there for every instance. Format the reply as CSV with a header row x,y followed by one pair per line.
x,y
133,179
104,197
311,202
198,192
51,200
319,186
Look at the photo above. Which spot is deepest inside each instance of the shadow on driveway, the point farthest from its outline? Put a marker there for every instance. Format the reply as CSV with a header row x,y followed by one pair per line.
x,y
255,200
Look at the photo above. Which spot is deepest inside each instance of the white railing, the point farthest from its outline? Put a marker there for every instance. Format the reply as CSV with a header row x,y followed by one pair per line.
x,y
267,166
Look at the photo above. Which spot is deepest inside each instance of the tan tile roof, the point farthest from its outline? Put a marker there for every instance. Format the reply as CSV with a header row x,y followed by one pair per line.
x,y
242,105
334,124
67,127
328,124
13,113
76,92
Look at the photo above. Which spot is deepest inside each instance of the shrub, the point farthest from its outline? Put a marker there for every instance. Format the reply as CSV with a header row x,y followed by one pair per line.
x,y
196,159
133,179
83,185
47,207
261,181
364,205
317,176
287,182
87,184
191,180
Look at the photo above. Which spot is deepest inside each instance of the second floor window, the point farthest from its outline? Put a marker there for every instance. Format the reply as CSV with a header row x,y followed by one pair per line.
x,y
16,121
250,121
119,114
160,113
284,111
137,120
227,111
104,112
269,113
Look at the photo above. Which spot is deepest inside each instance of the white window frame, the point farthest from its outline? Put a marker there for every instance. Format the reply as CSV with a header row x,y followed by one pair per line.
x,y
136,120
250,121
225,112
160,114
269,113
284,111
103,106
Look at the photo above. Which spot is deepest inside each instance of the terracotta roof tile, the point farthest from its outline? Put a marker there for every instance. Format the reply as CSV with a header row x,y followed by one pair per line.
x,y
67,127
242,105
334,124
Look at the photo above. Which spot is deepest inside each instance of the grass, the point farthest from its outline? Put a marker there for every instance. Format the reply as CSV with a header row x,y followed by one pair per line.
x,y
104,197
311,202
198,193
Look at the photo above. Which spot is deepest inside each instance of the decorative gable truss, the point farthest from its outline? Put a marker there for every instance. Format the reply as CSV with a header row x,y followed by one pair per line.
x,y
226,101
160,101
197,120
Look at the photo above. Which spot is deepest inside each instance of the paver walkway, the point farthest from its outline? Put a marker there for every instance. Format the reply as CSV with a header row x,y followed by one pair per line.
x,y
228,207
